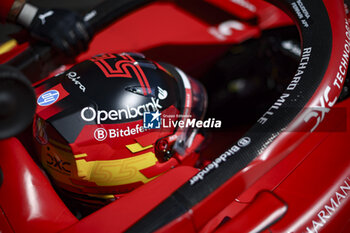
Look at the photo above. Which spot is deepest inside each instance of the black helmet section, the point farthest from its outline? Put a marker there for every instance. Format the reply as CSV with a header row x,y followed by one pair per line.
x,y
110,89
17,102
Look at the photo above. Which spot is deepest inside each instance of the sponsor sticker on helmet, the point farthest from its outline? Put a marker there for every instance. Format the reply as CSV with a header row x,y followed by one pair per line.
x,y
47,98
101,134
162,94
75,79
90,114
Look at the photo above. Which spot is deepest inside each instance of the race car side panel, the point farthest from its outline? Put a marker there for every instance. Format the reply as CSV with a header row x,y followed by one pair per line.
x,y
313,181
318,191
28,203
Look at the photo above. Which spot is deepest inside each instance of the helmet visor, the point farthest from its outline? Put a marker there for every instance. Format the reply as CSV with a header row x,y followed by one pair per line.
x,y
195,105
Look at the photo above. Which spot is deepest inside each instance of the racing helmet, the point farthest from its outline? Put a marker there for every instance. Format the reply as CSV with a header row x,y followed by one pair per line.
x,y
106,125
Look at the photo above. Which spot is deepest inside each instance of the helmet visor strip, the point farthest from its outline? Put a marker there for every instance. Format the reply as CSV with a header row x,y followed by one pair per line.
x,y
195,101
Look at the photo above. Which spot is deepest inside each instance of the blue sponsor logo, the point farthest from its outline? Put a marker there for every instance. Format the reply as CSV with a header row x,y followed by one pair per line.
x,y
48,98
151,120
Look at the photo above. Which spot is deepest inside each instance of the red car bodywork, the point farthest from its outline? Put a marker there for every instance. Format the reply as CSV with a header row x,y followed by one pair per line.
x,y
301,184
